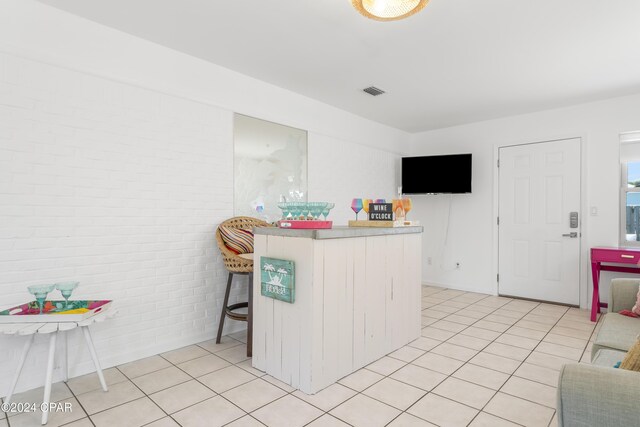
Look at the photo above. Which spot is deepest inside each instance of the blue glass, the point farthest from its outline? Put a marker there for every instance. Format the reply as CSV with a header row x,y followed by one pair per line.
x,y
286,209
40,292
304,210
296,209
327,209
66,289
316,208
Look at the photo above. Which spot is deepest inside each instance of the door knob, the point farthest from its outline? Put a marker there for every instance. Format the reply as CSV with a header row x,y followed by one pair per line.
x,y
573,234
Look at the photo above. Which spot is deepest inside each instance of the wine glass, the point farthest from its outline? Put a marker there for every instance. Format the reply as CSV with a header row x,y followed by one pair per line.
x,y
41,292
327,209
365,204
286,210
397,209
296,208
66,289
356,206
304,210
316,208
406,205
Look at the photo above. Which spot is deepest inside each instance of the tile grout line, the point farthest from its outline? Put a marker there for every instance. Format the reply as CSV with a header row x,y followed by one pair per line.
x,y
530,352
405,363
502,333
66,383
465,363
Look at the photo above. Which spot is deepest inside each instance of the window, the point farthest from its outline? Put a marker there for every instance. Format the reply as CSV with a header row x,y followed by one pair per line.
x,y
630,189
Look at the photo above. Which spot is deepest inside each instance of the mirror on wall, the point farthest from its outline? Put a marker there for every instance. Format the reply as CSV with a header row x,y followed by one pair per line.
x,y
270,165
630,189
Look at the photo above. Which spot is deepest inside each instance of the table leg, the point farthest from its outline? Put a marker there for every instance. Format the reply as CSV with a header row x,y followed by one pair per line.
x,y
23,357
65,357
94,356
595,300
49,378
250,318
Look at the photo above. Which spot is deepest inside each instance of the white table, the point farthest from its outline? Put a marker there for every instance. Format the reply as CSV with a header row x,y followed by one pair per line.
x,y
54,329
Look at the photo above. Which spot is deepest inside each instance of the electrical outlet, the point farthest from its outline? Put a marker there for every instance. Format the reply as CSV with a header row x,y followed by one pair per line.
x,y
429,261
457,266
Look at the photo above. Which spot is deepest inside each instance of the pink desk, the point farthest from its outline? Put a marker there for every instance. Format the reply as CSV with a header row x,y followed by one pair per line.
x,y
610,255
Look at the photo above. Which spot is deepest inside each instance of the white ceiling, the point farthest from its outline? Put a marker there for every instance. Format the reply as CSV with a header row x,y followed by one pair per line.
x,y
457,61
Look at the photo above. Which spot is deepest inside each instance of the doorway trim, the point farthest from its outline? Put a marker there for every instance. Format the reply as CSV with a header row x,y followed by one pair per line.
x,y
584,222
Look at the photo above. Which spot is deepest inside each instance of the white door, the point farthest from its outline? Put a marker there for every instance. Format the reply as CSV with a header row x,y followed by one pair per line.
x,y
539,247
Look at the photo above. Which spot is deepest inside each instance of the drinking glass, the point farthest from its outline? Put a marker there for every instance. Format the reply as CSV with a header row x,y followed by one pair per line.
x,y
296,208
41,292
316,208
356,206
286,209
365,204
327,209
406,205
304,210
66,289
395,205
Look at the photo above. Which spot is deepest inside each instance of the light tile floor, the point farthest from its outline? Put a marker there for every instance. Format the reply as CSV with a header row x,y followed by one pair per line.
x,y
481,361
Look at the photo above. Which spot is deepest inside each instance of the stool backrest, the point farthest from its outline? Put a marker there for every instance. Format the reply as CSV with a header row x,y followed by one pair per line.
x,y
232,261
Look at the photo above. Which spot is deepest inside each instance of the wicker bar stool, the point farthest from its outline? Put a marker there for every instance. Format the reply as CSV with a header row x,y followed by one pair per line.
x,y
238,265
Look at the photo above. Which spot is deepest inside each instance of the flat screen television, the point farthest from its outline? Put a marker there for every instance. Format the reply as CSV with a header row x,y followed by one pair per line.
x,y
447,174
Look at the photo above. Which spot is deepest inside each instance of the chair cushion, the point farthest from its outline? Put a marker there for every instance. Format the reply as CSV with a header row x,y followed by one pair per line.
x,y
617,332
238,240
608,358
246,256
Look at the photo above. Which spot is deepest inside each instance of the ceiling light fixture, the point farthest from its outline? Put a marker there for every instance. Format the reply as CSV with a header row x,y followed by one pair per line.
x,y
388,10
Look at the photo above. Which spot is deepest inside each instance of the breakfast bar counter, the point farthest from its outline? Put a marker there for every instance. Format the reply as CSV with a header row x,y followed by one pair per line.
x,y
357,298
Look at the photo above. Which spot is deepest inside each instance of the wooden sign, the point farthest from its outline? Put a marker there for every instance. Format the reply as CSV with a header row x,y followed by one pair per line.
x,y
277,279
380,212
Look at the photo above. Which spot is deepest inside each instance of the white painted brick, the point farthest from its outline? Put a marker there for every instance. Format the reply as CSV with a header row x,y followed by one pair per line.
x,y
122,188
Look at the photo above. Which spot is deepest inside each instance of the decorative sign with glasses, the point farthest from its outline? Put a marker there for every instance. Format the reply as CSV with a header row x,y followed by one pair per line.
x,y
305,214
43,310
382,214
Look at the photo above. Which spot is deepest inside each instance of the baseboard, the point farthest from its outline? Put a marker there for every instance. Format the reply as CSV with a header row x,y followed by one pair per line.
x,y
26,383
458,287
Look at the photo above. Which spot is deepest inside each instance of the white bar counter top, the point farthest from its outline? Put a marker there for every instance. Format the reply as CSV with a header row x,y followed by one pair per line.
x,y
339,232
357,299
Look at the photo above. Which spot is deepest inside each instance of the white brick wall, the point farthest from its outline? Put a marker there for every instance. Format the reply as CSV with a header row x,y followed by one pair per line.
x,y
122,188
339,172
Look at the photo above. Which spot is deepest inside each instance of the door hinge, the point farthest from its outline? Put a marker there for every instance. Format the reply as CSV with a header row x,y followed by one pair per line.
x,y
497,278
498,220
498,162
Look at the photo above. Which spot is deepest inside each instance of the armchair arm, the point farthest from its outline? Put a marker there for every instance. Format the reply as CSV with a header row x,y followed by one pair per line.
x,y
622,295
597,396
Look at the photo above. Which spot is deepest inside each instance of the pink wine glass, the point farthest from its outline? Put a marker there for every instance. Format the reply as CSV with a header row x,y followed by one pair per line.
x,y
356,206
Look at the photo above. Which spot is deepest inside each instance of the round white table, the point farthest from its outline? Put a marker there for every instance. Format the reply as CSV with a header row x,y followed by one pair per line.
x,y
54,329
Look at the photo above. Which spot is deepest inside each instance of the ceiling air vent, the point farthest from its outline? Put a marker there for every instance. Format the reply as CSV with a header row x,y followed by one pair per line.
x,y
372,90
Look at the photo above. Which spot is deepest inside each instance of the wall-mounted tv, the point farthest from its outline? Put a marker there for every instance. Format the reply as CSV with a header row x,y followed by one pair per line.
x,y
450,174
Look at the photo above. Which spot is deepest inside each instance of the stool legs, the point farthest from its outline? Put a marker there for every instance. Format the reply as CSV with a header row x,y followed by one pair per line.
x,y
250,317
23,357
94,356
49,377
223,314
